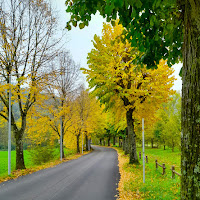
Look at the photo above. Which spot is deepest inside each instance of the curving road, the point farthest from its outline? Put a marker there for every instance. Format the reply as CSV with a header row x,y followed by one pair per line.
x,y
91,177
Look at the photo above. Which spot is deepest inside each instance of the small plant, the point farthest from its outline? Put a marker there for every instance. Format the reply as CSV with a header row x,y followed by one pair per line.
x,y
42,154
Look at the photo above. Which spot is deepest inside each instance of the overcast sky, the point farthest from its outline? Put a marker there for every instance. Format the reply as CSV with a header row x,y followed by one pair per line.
x,y
79,41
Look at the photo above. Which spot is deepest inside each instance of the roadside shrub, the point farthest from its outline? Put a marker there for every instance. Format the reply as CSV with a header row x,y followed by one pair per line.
x,y
42,154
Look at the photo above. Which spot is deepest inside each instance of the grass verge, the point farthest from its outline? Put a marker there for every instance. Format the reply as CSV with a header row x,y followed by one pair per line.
x,y
157,186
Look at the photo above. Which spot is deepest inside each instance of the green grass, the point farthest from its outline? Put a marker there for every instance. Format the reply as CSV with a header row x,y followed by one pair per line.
x,y
4,161
27,160
157,186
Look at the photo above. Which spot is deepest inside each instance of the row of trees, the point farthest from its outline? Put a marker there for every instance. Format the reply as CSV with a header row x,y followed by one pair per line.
x,y
164,131
129,90
47,96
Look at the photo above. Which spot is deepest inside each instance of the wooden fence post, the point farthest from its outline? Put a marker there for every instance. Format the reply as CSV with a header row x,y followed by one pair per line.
x,y
156,164
163,168
173,171
146,159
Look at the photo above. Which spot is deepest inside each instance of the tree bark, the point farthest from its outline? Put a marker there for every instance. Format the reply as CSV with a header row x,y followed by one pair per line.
x,y
108,141
86,142
77,143
100,141
63,153
151,143
190,140
114,140
19,150
133,158
120,142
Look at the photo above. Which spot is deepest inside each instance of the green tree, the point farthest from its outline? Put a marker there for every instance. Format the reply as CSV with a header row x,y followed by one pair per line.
x,y
168,128
168,29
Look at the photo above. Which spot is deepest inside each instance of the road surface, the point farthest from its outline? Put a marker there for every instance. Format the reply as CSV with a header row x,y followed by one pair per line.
x,y
91,177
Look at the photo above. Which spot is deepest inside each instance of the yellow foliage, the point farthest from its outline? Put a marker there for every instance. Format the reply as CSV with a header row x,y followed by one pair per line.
x,y
120,83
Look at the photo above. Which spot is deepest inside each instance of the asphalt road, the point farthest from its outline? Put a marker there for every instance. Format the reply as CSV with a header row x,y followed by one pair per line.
x,y
91,177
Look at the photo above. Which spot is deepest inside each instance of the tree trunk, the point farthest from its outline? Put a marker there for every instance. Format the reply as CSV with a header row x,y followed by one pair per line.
x,y
19,150
63,153
133,158
126,146
190,140
123,143
86,142
77,143
113,140
108,141
100,141
151,143
120,142
104,143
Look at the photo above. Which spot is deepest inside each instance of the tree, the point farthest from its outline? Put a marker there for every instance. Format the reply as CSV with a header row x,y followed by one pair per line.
x,y
162,29
61,86
116,80
26,28
81,112
168,127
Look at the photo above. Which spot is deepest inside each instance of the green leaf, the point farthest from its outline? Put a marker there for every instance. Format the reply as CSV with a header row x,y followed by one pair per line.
x,y
74,23
69,27
133,14
113,23
138,4
81,25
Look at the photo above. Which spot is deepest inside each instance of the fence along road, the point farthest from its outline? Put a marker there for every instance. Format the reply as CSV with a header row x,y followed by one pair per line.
x,y
91,177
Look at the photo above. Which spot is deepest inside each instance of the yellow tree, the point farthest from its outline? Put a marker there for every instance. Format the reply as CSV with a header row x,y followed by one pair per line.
x,y
61,85
113,74
87,117
26,28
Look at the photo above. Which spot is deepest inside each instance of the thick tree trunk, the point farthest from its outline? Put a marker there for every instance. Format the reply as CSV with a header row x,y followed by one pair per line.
x,y
19,150
126,146
113,140
133,158
77,143
100,141
190,148
126,143
86,142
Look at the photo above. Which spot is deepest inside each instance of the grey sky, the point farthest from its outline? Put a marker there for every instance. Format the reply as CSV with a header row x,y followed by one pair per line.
x,y
79,41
